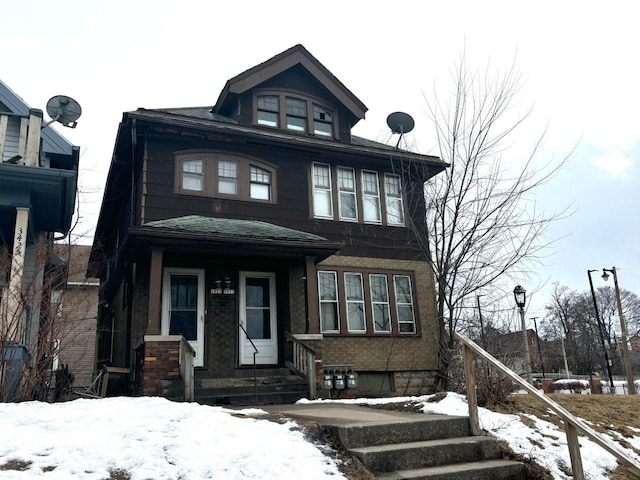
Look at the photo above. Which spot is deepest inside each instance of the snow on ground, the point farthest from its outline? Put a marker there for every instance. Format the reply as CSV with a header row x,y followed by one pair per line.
x,y
152,438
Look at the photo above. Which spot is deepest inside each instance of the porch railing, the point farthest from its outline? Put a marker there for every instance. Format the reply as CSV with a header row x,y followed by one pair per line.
x,y
302,362
572,424
255,352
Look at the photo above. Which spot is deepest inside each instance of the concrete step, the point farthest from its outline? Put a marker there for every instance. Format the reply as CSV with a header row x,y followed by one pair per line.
x,y
484,470
430,453
417,427
243,391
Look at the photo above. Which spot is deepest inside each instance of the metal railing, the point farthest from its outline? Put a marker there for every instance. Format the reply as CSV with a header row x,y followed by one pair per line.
x,y
572,424
255,352
303,362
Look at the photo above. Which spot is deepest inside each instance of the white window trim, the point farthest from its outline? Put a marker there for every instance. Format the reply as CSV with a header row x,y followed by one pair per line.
x,y
362,302
373,304
398,199
315,188
336,301
398,304
366,195
353,193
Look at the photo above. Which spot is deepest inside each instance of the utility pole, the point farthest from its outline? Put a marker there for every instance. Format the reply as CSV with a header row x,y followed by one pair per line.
x,y
535,325
623,325
482,337
604,348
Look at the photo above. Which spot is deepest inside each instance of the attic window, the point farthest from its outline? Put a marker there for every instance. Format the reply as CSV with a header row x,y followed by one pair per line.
x,y
268,111
295,114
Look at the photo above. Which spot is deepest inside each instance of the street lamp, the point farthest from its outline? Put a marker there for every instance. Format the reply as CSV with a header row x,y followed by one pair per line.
x,y
520,295
604,348
623,325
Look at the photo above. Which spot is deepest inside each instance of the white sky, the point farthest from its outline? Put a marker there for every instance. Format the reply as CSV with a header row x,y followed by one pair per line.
x,y
578,61
150,437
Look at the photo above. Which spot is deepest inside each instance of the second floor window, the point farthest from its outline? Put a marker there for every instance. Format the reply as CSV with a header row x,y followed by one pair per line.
x,y
218,174
393,197
322,199
347,188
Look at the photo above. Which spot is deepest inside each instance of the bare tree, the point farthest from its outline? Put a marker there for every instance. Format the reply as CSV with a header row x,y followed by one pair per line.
x,y
481,220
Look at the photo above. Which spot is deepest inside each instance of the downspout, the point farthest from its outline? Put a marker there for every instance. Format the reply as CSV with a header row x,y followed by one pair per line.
x,y
134,148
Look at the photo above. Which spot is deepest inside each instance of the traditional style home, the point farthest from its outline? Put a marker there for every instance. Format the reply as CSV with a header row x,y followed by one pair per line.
x,y
262,236
38,176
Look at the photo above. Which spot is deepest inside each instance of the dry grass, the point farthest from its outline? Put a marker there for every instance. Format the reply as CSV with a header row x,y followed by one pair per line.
x,y
605,413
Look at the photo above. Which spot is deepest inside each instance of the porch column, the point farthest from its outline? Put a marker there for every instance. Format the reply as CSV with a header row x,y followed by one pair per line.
x,y
312,296
155,292
13,314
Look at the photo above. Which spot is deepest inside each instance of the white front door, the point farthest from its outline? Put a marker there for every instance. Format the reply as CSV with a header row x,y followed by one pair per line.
x,y
258,318
183,307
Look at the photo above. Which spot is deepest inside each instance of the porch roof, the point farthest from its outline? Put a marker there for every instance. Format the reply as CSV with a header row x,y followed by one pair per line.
x,y
235,236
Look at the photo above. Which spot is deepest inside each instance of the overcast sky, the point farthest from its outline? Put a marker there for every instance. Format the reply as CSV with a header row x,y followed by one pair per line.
x,y
578,61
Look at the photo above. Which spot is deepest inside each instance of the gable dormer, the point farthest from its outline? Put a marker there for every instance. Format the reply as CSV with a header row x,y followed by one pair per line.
x,y
293,92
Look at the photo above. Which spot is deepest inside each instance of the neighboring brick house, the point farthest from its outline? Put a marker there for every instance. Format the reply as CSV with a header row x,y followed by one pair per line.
x,y
261,221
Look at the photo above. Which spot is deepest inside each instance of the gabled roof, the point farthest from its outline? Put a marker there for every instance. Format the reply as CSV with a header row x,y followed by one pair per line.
x,y
52,141
296,55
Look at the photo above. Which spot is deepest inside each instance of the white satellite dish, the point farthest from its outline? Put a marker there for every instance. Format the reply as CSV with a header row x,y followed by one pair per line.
x,y
64,110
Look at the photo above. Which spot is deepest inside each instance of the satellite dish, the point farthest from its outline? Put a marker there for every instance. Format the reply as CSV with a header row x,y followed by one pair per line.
x,y
64,110
400,122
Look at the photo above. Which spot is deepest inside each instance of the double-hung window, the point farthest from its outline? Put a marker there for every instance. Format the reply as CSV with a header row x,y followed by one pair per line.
x,y
404,304
193,175
354,297
227,177
322,197
328,297
393,197
296,115
380,303
268,110
347,189
370,197
322,121
260,183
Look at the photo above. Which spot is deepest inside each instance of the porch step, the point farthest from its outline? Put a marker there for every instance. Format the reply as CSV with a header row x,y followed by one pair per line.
x,y
243,391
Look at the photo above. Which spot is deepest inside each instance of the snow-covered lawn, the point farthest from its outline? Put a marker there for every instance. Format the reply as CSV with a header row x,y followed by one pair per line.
x,y
152,438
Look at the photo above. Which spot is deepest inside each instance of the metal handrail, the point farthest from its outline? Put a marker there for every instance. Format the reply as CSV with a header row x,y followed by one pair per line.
x,y
306,367
572,424
255,351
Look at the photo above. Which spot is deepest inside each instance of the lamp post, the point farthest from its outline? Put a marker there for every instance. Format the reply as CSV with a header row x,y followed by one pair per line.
x,y
623,325
520,295
604,348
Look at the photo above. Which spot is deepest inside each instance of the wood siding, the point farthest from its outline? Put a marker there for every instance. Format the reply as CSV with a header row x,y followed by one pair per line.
x,y
292,209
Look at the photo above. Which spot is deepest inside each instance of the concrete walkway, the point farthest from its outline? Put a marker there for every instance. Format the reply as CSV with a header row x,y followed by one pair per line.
x,y
339,414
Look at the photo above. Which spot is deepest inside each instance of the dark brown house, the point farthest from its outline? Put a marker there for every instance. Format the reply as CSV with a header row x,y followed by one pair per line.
x,y
271,239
